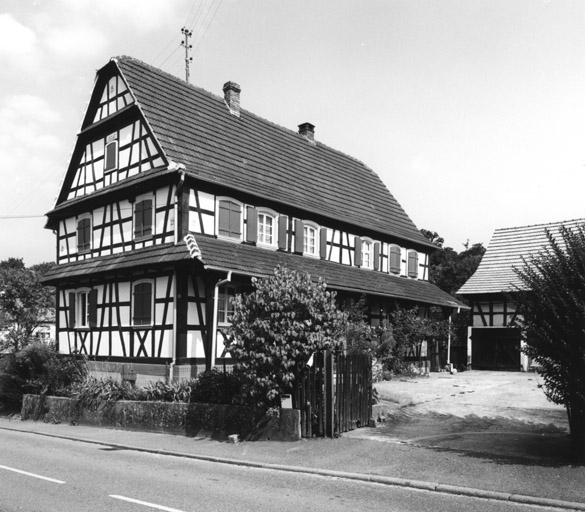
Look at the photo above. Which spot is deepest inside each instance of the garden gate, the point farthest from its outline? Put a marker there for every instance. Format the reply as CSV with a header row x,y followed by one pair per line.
x,y
335,395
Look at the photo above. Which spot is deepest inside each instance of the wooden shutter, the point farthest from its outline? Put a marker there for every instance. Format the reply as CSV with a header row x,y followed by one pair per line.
x,y
412,264
376,255
142,304
395,259
111,156
229,219
282,232
299,236
138,218
358,252
235,217
223,224
252,225
323,243
71,310
92,308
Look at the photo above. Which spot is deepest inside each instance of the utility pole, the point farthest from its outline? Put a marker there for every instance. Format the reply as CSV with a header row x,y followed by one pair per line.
x,y
187,33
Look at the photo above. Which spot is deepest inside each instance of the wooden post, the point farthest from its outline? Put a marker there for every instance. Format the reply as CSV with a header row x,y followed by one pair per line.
x,y
329,399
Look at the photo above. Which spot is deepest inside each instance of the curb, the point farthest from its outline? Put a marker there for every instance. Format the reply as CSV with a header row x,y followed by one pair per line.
x,y
372,478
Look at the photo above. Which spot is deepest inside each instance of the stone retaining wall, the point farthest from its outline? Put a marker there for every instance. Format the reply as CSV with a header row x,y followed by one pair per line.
x,y
205,420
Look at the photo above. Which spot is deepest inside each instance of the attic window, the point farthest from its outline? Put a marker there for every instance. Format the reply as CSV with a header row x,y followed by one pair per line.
x,y
111,156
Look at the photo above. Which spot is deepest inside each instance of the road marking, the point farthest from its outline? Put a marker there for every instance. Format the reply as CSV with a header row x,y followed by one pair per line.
x,y
33,475
145,503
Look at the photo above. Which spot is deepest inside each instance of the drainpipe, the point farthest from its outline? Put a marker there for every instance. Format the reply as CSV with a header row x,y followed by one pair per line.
x,y
214,326
449,342
174,344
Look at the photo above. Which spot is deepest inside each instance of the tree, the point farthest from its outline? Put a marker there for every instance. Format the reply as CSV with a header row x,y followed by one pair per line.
x,y
277,327
24,302
551,308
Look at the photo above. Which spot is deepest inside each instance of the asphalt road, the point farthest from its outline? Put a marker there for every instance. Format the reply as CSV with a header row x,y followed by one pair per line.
x,y
46,474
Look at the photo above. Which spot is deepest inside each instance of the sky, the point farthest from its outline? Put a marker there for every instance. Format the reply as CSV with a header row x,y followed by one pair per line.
x,y
472,112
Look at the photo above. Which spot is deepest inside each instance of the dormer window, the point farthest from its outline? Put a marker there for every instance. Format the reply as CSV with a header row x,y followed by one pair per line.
x,y
143,215
111,155
229,223
84,234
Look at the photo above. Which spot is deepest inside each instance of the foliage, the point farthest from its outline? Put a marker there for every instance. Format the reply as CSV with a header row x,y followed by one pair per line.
x,y
448,269
24,302
551,305
37,369
217,387
277,327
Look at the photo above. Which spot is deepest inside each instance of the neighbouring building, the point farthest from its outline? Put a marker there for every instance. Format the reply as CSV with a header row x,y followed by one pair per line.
x,y
494,343
175,197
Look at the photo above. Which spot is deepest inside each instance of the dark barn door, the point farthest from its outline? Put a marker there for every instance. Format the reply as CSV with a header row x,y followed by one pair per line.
x,y
495,349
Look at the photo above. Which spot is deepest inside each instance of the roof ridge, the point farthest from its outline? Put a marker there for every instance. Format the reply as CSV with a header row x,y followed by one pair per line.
x,y
242,109
557,223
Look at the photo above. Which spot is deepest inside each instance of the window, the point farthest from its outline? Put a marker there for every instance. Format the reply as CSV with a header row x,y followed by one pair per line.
x,y
225,306
83,308
310,240
412,264
143,218
266,229
367,254
230,219
395,259
82,313
142,303
84,234
111,156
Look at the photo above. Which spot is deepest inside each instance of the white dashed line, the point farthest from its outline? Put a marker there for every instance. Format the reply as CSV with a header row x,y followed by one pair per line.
x,y
32,474
145,503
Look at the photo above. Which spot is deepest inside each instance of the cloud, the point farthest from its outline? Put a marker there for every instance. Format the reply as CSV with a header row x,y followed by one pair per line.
x,y
76,41
17,44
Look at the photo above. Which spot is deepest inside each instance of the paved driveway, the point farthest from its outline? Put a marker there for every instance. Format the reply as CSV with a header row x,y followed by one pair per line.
x,y
496,413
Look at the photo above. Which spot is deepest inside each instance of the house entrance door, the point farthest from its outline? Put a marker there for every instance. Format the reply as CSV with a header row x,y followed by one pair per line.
x,y
495,348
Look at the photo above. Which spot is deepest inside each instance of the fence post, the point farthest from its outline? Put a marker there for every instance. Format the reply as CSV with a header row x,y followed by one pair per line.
x,y
329,401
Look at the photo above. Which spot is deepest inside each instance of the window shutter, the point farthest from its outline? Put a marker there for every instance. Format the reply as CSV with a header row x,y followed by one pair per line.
x,y
299,236
138,218
323,243
111,156
235,216
395,259
142,304
252,231
358,252
282,232
224,218
92,308
147,217
71,310
377,256
412,264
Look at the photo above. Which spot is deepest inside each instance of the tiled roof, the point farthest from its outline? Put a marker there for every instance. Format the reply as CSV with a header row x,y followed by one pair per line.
x,y
257,157
506,251
254,261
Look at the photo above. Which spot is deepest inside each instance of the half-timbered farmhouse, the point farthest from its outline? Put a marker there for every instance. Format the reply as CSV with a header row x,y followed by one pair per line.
x,y
493,341
175,197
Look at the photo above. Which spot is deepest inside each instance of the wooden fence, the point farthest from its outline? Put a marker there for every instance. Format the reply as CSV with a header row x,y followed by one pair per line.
x,y
335,395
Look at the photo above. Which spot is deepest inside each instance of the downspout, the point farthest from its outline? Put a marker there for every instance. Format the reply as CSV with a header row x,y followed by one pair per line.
x,y
214,326
178,192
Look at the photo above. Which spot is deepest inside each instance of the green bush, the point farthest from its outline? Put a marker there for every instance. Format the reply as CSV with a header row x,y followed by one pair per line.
x,y
37,369
216,387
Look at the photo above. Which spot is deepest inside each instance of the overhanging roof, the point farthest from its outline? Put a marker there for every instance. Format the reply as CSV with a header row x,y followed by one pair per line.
x,y
217,254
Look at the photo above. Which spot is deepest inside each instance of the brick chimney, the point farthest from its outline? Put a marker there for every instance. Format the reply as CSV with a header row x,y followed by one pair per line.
x,y
231,95
307,130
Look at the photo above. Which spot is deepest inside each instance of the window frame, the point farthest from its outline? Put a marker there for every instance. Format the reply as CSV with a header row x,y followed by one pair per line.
x,y
307,227
133,315
87,245
367,242
224,305
81,304
140,200
231,200
114,165
265,213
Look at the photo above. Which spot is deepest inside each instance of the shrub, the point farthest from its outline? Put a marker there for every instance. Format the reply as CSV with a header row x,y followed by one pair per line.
x,y
38,369
216,387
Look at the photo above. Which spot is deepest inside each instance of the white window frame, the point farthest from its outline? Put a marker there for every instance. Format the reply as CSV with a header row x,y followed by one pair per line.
x,y
265,213
369,264
218,200
81,303
313,251
152,300
79,219
224,307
